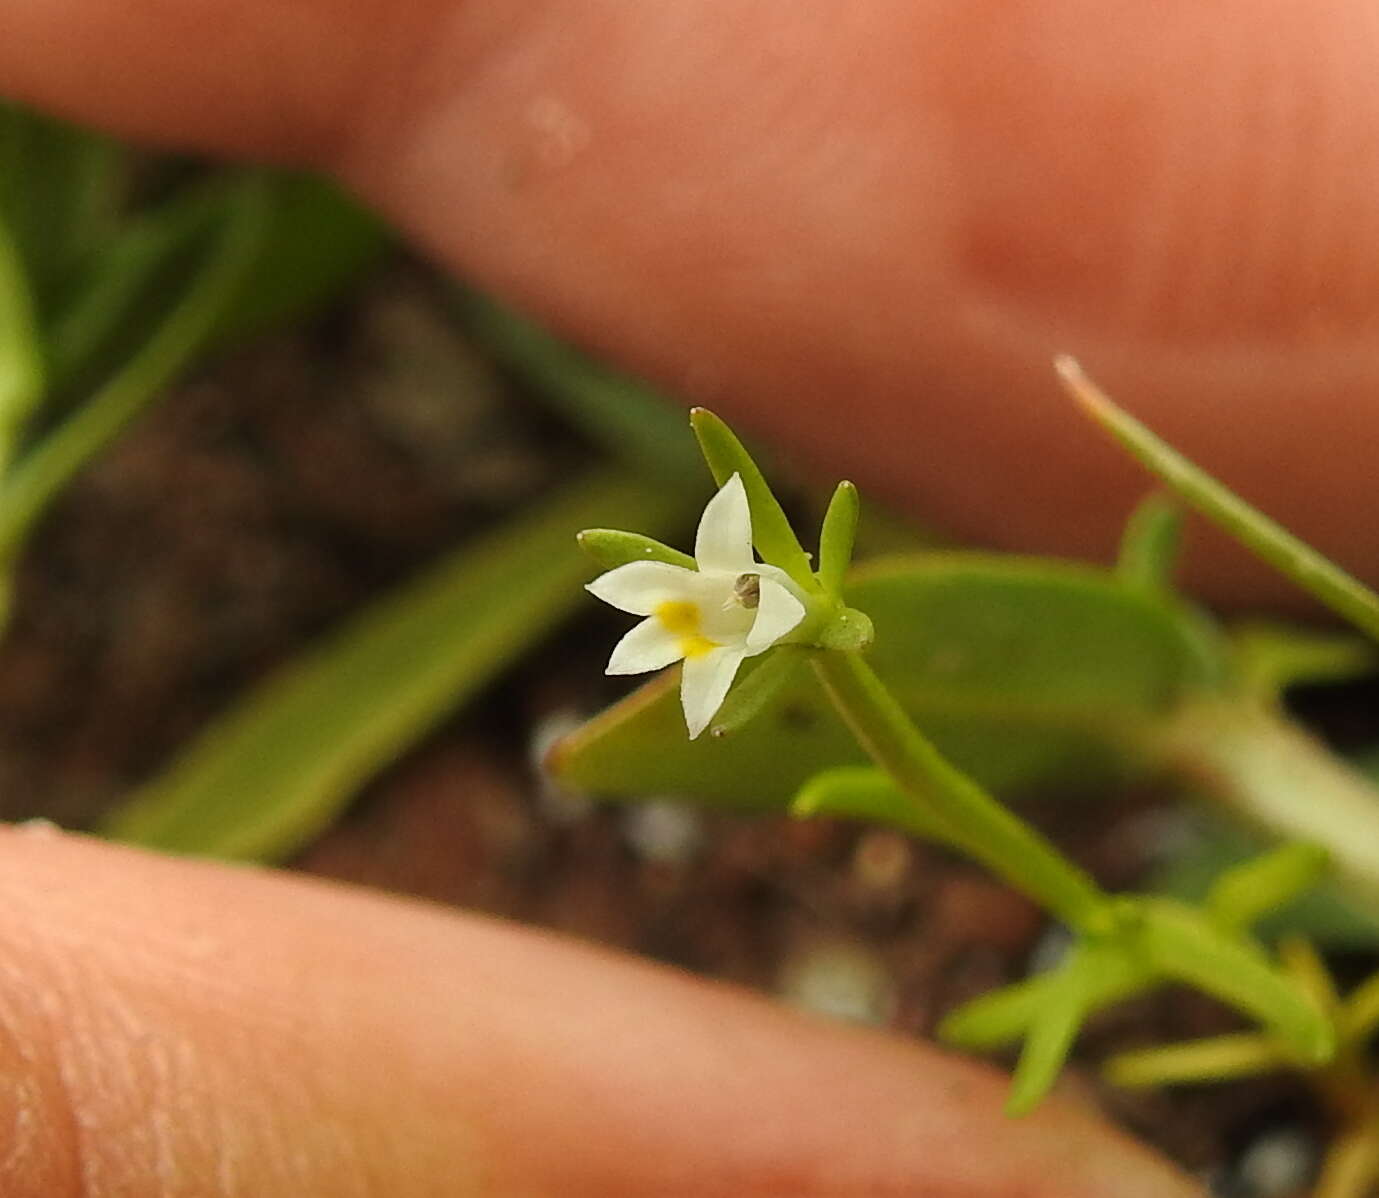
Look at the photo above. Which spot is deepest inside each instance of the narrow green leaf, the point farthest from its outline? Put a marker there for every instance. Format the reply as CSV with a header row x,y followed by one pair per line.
x,y
1304,965
1270,657
109,309
837,536
1322,578
757,690
1350,1168
21,365
997,1018
634,424
609,548
1001,1017
1246,893
774,538
863,792
1183,945
60,199
1217,1058
1271,774
1212,843
1359,1015
276,769
1051,1034
1149,545
316,239
49,466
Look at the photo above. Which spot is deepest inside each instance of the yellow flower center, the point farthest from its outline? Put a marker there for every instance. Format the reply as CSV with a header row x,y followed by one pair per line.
x,y
680,618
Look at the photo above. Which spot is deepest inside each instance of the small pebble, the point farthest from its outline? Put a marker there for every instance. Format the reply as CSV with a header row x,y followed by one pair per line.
x,y
1279,1163
561,805
841,981
881,860
664,831
1050,950
38,827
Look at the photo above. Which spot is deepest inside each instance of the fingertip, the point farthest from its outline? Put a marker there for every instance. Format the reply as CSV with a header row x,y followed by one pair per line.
x,y
167,1022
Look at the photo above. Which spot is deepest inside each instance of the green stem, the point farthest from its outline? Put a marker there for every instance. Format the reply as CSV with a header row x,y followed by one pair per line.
x,y
48,467
972,819
1275,776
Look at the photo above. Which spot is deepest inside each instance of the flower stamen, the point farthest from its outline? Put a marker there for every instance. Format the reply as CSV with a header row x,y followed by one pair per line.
x,y
747,590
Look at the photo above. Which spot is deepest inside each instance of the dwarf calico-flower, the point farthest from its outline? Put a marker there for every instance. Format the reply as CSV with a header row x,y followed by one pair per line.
x,y
730,607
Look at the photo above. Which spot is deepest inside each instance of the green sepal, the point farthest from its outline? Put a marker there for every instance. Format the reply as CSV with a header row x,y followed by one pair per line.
x,y
771,532
1216,1058
1149,545
837,537
1248,892
846,631
757,690
1287,553
610,548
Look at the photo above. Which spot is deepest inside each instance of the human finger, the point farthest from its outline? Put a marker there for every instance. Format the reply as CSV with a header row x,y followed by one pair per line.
x,y
863,232
175,1028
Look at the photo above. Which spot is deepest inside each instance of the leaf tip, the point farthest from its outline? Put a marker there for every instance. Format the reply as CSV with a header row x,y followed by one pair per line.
x,y
1077,383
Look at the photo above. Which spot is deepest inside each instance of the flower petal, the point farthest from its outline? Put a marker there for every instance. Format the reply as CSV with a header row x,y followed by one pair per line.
x,y
649,646
778,612
704,685
639,586
724,539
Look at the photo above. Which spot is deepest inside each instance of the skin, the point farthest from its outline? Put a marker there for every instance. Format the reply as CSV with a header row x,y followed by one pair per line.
x,y
766,206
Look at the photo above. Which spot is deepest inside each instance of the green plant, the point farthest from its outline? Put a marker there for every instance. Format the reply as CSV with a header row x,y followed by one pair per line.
x,y
1127,666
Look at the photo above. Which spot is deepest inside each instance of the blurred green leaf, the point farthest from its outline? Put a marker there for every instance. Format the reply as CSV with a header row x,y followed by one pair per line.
x,y
1181,944
1240,1054
21,361
312,241
633,423
1073,991
140,274
45,469
278,767
1022,671
1245,893
1271,657
59,191
1212,847
315,241
1001,1017
1149,544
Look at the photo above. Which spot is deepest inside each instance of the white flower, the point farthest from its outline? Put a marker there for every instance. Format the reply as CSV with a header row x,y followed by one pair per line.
x,y
731,607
